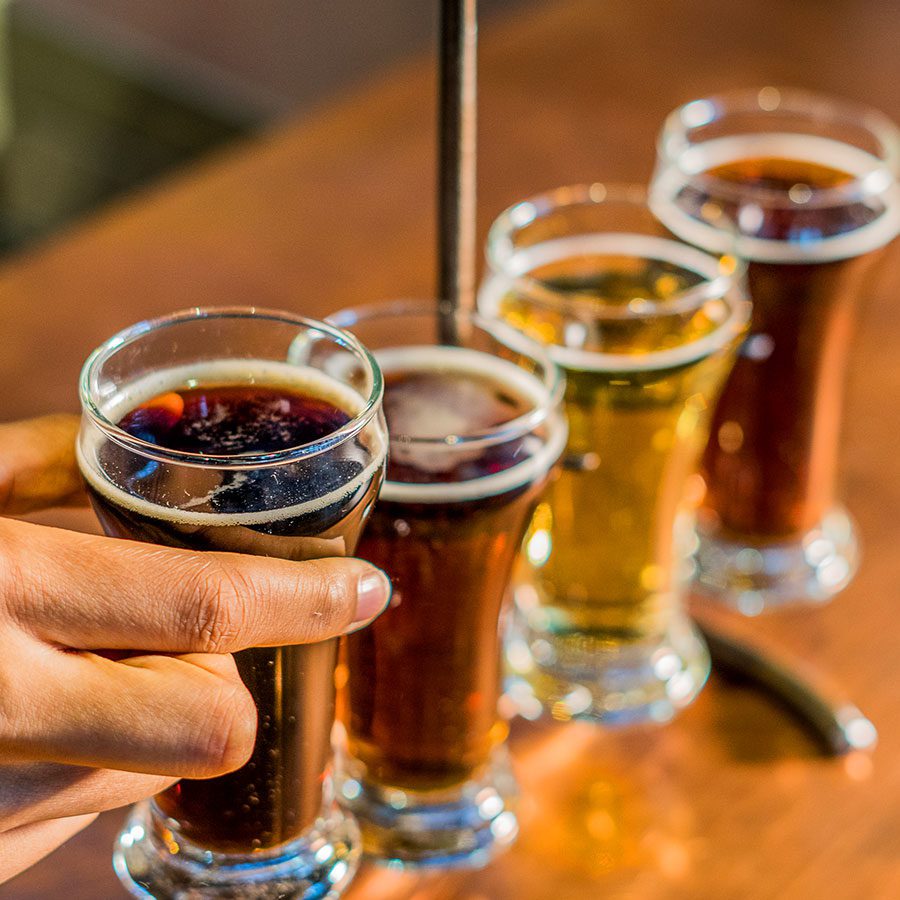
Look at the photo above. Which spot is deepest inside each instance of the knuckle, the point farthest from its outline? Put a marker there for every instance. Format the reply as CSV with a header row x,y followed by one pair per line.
x,y
329,592
21,701
231,734
218,608
16,576
30,587
10,714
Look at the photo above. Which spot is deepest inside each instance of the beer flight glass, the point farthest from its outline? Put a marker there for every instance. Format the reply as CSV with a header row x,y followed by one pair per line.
x,y
811,183
198,432
646,328
476,430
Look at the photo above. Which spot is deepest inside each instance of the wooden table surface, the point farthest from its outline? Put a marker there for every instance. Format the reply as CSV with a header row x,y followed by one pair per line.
x,y
732,800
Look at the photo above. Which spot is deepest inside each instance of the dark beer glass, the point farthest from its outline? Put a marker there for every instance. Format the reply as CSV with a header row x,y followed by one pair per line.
x,y
811,184
199,431
475,431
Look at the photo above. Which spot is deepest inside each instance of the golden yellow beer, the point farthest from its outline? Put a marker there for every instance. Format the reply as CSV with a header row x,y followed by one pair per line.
x,y
646,330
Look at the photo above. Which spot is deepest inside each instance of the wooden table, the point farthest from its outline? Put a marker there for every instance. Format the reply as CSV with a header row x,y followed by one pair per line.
x,y
731,800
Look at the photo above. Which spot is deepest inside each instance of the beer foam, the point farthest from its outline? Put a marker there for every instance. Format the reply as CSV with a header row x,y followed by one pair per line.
x,y
123,398
700,158
500,371
639,246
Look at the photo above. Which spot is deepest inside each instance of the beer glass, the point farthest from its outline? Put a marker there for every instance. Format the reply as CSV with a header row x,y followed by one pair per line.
x,y
811,184
199,432
645,328
475,431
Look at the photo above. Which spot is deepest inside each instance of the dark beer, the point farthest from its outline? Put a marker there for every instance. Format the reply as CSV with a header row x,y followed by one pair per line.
x,y
811,242
311,507
424,679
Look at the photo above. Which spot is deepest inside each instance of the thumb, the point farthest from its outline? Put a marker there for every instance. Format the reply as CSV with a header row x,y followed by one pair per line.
x,y
37,464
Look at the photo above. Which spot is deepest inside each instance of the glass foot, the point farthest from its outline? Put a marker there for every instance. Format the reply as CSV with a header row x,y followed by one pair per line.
x,y
151,861
461,826
587,677
756,577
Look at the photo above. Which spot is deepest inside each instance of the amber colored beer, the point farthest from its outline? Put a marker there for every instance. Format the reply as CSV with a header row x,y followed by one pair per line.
x,y
304,509
772,457
424,678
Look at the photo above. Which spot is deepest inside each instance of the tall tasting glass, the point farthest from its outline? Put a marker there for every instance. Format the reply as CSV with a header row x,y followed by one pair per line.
x,y
646,329
475,430
199,433
812,184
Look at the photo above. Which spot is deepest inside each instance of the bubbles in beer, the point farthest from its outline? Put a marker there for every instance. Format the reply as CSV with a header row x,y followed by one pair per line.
x,y
433,404
229,420
626,302
222,409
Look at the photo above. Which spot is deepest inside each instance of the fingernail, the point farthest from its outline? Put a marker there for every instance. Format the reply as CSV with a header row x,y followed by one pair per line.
x,y
372,595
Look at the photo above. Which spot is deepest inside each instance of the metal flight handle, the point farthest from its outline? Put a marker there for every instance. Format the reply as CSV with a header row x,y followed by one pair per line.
x,y
814,699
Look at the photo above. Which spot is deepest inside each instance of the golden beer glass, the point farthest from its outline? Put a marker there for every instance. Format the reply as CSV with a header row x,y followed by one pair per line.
x,y
646,329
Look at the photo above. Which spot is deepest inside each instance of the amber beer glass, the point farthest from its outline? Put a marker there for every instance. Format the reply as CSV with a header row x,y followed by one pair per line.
x,y
646,329
811,184
475,431
200,432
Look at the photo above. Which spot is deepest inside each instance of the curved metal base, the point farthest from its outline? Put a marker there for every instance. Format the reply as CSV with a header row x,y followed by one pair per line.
x,y
151,862
591,677
463,826
753,576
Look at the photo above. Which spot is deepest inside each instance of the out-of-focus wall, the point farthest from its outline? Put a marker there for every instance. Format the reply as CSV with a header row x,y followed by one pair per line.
x,y
98,97
256,58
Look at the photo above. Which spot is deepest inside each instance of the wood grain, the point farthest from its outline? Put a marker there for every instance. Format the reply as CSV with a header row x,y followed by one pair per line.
x,y
729,801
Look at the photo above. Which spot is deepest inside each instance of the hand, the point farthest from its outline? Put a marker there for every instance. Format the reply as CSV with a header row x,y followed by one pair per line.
x,y
116,674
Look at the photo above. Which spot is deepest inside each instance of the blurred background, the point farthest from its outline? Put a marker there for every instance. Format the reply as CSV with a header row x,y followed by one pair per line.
x,y
97,96
100,96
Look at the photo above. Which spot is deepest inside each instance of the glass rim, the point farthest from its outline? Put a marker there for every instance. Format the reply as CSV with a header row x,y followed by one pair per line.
x,y
553,379
91,408
500,249
674,140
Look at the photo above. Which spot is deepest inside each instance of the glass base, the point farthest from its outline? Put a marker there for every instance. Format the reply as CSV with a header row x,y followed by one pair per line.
x,y
152,862
753,577
579,676
461,826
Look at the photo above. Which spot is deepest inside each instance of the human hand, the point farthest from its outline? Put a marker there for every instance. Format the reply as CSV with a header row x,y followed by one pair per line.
x,y
116,674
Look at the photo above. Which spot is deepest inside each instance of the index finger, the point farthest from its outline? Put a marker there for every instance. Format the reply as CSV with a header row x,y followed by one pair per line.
x,y
91,593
